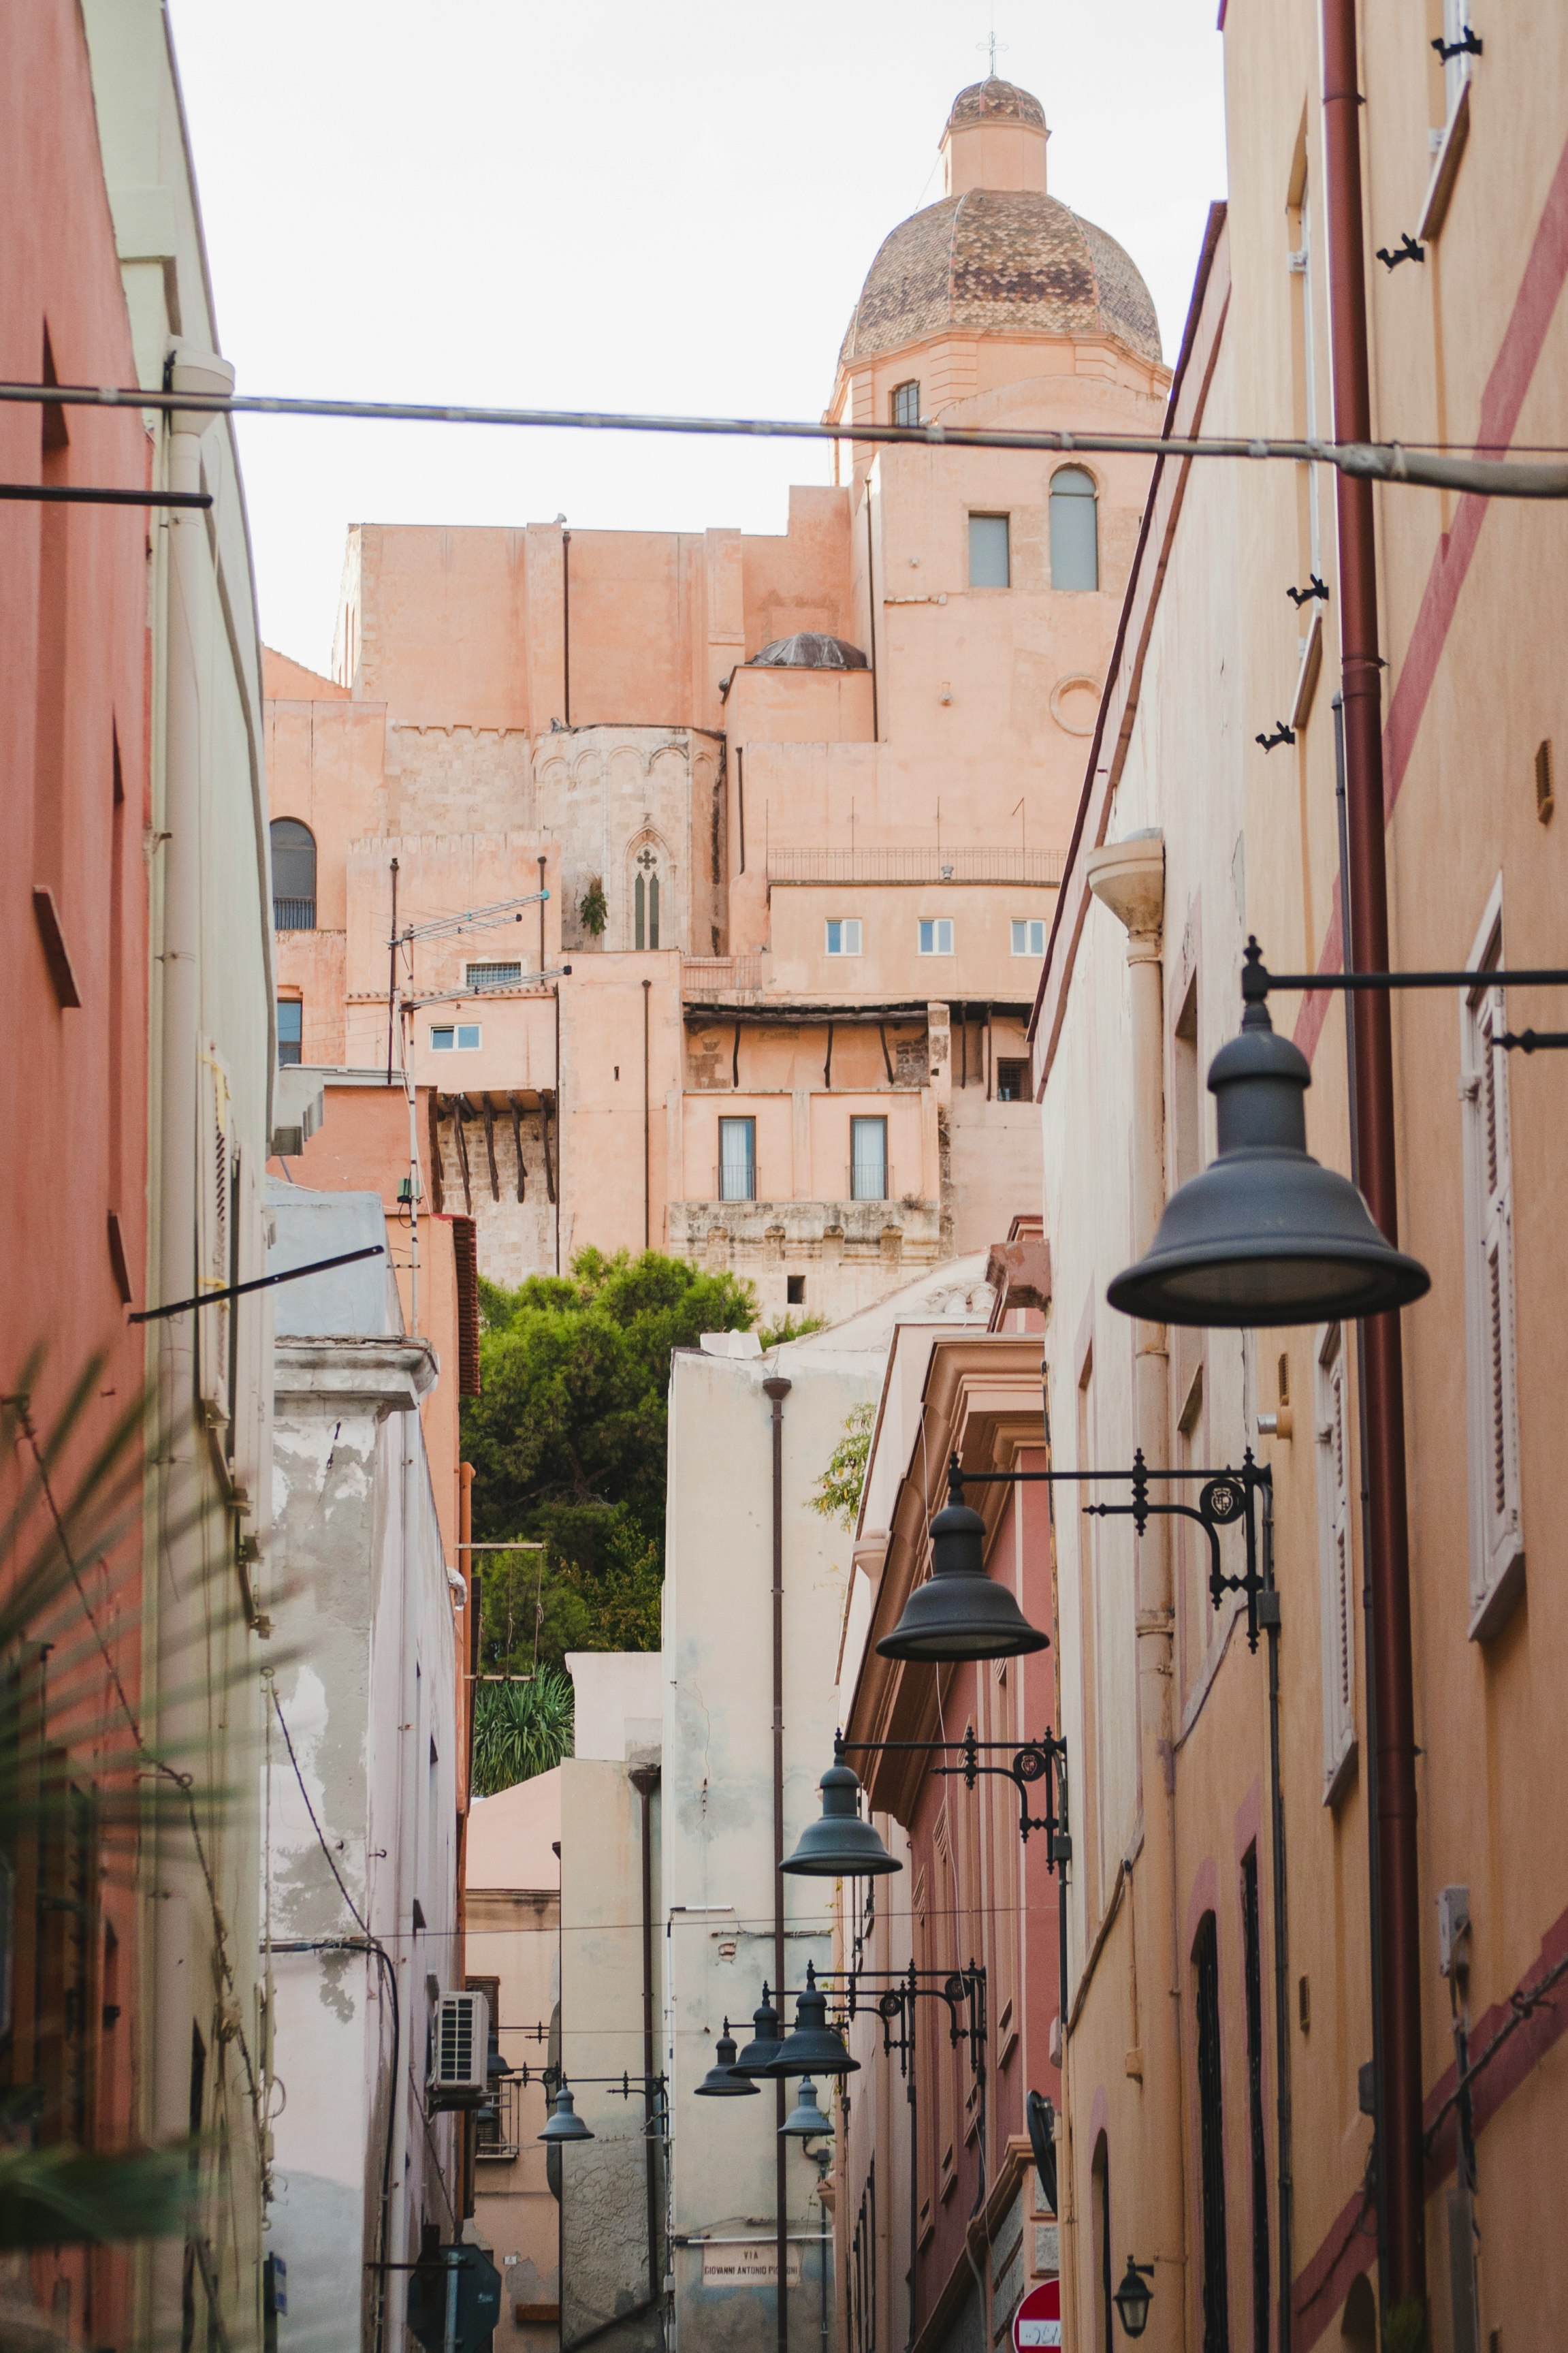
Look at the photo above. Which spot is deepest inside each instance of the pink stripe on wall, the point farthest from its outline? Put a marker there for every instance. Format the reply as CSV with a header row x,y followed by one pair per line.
x,y
1507,385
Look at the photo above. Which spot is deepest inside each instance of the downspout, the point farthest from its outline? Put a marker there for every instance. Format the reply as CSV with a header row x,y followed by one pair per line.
x,y
871,617
1128,877
647,1129
644,1781
776,1389
559,1172
1398,2124
566,626
542,958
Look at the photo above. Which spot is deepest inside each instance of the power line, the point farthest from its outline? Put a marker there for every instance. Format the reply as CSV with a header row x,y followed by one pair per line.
x,y
1419,464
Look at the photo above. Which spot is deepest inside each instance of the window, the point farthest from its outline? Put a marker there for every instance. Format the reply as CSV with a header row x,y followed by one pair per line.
x,y
936,936
1100,2217
795,1291
906,405
1012,1080
844,936
1211,2122
1335,1574
1497,1539
988,556
460,1037
737,1159
290,1029
868,1160
495,975
1252,1938
1075,530
293,875
1029,937
645,901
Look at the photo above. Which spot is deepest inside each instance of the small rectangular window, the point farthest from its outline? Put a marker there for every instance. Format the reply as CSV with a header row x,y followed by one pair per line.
x,y
907,403
495,975
737,1159
1012,1081
844,936
936,936
461,1037
794,1290
989,566
1497,1536
290,1031
868,1160
1029,936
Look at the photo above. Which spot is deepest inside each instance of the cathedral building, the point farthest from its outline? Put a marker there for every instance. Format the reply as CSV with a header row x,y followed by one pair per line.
x,y
800,802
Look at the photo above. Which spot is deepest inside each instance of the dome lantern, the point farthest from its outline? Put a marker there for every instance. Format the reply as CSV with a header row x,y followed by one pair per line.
x,y
995,138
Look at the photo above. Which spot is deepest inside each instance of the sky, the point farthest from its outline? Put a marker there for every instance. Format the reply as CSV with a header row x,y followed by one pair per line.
x,y
609,204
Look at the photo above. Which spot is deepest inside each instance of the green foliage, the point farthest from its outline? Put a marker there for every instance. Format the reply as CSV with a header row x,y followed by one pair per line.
x,y
1404,2326
837,1495
789,1327
594,908
57,2197
521,1729
568,1445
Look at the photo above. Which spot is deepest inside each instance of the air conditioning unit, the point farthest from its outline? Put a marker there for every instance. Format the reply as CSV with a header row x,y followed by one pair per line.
x,y
459,2049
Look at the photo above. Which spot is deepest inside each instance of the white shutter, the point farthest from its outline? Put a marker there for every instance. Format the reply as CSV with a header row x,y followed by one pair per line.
x,y
214,1238
1457,69
1336,1562
1497,1536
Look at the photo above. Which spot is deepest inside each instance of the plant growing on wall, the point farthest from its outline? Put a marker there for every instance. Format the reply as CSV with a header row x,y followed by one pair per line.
x,y
521,1729
594,908
837,1495
568,1443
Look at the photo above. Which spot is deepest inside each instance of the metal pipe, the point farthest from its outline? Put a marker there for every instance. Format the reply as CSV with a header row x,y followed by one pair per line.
x,y
392,976
871,613
1281,1942
1400,2157
647,1129
566,626
776,1389
644,1781
543,959
555,1195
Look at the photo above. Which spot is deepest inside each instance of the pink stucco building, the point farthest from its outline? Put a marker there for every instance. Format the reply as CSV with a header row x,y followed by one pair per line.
x,y
800,801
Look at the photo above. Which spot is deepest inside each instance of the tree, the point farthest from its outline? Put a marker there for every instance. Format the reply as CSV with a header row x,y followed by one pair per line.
x,y
521,1728
837,1495
568,1446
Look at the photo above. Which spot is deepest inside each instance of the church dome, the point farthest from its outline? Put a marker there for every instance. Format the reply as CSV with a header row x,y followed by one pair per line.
x,y
809,649
993,259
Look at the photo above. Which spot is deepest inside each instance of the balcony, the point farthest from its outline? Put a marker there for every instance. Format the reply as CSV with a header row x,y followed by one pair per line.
x,y
498,2122
720,976
294,914
1040,867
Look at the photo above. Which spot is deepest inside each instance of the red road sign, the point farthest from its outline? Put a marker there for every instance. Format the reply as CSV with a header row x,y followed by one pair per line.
x,y
1038,2319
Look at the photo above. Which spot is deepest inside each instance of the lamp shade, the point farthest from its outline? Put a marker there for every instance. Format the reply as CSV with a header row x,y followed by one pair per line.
x,y
720,2082
565,2124
806,2120
839,1844
814,2048
960,1612
1132,2300
767,2040
1266,1235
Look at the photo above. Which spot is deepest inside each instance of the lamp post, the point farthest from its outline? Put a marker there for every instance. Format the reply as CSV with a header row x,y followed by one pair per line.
x,y
1132,2300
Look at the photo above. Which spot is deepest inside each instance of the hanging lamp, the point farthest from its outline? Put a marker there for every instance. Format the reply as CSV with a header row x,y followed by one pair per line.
x,y
721,2081
960,1612
565,2124
814,2048
1266,1235
806,2120
840,1844
767,2040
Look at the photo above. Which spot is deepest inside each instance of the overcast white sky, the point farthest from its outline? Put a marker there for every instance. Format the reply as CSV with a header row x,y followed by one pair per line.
x,y
613,204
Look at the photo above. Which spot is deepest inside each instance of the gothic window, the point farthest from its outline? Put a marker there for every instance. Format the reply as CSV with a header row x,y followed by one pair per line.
x,y
1075,530
645,900
1211,2123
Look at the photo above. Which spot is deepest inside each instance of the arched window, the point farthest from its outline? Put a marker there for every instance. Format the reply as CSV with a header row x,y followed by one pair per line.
x,y
1075,530
293,875
645,901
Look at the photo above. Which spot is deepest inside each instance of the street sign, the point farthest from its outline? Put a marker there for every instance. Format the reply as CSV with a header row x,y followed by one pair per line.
x,y
1038,2319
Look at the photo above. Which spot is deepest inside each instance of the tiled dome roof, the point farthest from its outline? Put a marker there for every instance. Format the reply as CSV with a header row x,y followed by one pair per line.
x,y
994,100
809,649
995,260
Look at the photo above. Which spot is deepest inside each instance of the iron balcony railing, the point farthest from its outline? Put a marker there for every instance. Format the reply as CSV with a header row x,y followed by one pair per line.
x,y
497,2124
956,865
294,914
864,1181
720,976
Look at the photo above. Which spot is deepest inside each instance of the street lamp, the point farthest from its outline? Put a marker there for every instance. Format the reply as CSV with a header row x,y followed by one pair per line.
x,y
806,2120
814,2048
721,2081
1264,1235
960,1612
840,1844
565,2124
1132,2300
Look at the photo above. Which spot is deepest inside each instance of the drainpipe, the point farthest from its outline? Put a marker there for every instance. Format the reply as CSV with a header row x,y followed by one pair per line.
x,y
776,1389
1399,2145
1128,877
566,626
644,1781
647,1129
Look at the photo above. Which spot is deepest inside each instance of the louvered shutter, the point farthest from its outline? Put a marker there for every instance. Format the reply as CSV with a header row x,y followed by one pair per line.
x,y
215,1234
1335,1560
1496,1520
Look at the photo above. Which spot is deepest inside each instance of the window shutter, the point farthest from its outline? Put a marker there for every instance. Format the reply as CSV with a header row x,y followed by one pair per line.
x,y
215,1233
1497,1536
1335,1562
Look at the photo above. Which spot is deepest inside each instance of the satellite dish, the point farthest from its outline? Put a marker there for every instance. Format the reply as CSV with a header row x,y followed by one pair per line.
x,y
1042,2121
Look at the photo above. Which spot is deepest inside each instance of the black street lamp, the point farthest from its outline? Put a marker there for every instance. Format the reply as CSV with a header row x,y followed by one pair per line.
x,y
813,2047
1132,2300
840,1844
565,2124
1264,1235
721,2081
766,2040
960,1612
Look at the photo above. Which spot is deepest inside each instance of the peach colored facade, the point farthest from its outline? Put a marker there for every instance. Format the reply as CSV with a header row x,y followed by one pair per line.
x,y
822,781
1232,2148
